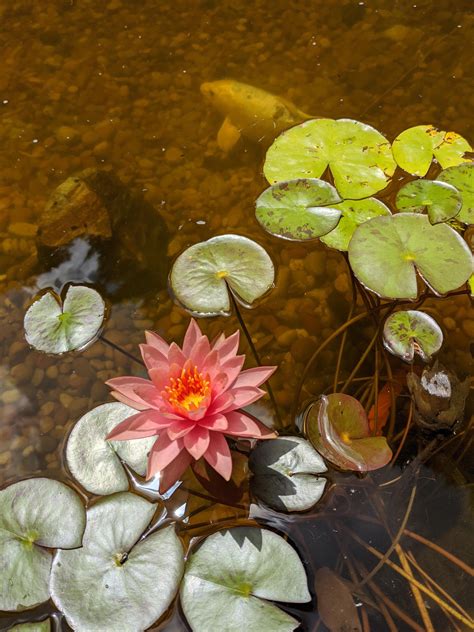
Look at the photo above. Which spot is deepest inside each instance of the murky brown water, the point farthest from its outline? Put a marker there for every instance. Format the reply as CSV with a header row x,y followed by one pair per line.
x,y
116,86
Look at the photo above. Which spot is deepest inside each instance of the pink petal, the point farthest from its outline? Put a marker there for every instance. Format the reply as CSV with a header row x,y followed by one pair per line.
x,y
241,425
157,341
227,347
243,397
152,357
129,402
214,422
199,352
210,365
254,377
171,473
151,396
197,442
180,428
232,368
144,424
218,455
128,386
164,451
193,333
160,375
222,402
176,356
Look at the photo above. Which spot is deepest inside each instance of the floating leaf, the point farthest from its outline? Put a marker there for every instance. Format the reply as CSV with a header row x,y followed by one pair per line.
x,y
298,209
335,604
471,284
55,328
415,147
408,332
285,474
36,626
462,177
359,157
441,200
354,213
118,581
338,427
203,274
95,462
231,577
385,253
34,513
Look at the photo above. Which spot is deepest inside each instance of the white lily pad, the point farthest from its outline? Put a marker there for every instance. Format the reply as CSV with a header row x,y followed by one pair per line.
x,y
462,177
53,327
298,209
35,515
35,626
234,574
94,461
285,474
439,199
410,331
118,581
203,274
359,157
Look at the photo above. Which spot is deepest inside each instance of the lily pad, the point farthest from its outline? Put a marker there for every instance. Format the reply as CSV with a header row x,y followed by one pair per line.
x,y
415,148
285,474
354,213
118,581
439,199
35,515
408,332
386,252
203,274
338,428
298,209
234,574
35,626
95,462
358,156
335,604
53,327
462,177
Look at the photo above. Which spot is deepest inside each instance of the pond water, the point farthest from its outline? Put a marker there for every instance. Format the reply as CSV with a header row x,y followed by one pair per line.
x,y
116,86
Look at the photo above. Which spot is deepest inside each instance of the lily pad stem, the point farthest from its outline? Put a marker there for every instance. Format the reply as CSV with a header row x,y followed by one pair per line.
x,y
121,350
344,335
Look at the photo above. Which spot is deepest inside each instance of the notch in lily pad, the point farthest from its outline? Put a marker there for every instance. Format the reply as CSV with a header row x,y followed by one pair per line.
x,y
440,200
54,326
338,428
410,331
204,274
462,177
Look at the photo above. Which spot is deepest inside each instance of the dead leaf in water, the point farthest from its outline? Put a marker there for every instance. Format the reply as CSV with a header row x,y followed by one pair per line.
x,y
335,604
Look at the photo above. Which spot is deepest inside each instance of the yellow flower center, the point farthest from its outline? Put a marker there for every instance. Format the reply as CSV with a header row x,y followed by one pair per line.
x,y
188,390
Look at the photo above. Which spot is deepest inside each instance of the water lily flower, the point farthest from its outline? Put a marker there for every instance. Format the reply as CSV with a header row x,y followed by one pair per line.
x,y
192,400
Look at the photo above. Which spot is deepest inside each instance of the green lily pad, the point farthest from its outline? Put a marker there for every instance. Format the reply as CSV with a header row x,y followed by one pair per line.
x,y
285,474
203,274
55,328
354,213
410,331
234,574
118,581
415,148
359,157
35,515
35,626
298,209
471,284
338,428
441,200
386,252
462,177
95,462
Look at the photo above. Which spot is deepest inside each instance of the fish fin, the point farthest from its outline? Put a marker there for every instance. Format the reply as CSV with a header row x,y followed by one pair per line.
x,y
228,135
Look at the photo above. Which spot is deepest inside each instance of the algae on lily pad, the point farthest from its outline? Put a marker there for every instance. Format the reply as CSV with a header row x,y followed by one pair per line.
x,y
462,177
203,275
118,580
358,156
338,428
415,147
354,213
233,576
410,331
94,461
285,474
386,252
298,209
439,199
55,327
36,514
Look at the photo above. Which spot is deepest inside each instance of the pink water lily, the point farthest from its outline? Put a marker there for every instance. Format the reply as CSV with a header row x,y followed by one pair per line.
x,y
191,401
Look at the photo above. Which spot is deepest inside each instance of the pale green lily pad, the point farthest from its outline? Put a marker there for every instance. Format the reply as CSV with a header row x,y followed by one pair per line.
x,y
95,462
415,148
203,274
285,474
36,626
359,157
462,177
354,213
34,514
298,209
471,284
55,328
410,331
439,199
234,574
386,252
118,581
